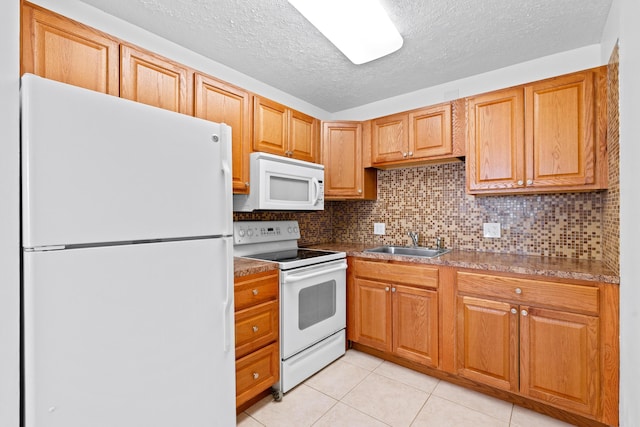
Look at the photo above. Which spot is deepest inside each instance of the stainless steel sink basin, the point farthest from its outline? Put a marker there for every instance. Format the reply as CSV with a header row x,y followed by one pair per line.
x,y
409,251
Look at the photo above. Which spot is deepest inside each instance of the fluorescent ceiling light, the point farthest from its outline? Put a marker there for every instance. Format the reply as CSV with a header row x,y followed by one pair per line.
x,y
361,29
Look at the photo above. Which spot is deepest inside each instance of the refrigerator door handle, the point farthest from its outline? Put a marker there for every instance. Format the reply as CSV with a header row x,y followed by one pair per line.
x,y
227,305
225,150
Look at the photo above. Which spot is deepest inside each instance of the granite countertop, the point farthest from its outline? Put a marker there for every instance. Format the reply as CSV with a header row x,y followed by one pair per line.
x,y
565,268
246,266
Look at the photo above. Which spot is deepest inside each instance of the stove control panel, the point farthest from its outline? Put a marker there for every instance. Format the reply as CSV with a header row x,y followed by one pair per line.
x,y
250,232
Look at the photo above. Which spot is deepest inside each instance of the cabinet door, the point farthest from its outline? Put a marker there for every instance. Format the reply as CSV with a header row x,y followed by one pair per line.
x,y
60,49
390,138
560,131
303,136
223,103
430,132
415,324
373,314
495,151
559,358
487,342
153,80
269,126
342,158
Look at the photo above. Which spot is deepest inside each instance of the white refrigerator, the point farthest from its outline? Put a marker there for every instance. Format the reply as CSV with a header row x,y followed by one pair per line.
x,y
127,263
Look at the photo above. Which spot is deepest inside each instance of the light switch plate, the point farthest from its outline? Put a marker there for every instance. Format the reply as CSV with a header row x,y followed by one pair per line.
x,y
378,228
491,229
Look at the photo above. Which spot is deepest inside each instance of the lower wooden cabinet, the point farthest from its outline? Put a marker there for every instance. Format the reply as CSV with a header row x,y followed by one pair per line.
x,y
548,344
257,332
537,338
396,309
257,372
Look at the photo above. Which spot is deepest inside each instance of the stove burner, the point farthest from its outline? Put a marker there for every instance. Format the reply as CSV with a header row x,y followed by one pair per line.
x,y
291,255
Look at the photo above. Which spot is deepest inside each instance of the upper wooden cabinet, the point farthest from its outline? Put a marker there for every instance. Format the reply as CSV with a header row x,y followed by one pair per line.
x,y
416,137
223,103
284,131
60,49
546,136
344,172
151,79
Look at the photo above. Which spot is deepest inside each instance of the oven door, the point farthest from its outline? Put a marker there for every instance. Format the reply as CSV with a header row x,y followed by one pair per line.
x,y
313,305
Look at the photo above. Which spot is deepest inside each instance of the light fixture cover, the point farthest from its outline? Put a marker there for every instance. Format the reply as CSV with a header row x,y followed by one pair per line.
x,y
361,29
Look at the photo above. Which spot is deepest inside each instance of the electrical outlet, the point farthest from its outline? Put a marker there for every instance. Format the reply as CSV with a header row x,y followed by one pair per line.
x,y
491,229
378,228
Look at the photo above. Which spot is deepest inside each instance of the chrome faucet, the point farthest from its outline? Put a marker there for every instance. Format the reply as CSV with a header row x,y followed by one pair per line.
x,y
414,237
440,243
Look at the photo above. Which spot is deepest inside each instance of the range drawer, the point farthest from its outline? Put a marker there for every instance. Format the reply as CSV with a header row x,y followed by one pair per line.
x,y
256,289
256,372
410,274
256,327
563,296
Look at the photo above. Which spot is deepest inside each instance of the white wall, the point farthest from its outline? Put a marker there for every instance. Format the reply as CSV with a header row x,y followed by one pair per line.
x,y
629,208
538,69
9,225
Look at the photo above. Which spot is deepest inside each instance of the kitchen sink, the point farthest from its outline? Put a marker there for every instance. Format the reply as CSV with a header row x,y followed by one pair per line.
x,y
409,251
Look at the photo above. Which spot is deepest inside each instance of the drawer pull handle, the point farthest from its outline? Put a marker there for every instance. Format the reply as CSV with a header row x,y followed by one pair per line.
x,y
518,291
254,292
514,311
524,312
256,375
255,329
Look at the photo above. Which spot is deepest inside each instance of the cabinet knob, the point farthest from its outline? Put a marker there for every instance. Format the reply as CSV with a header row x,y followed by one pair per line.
x,y
404,154
518,291
393,289
255,329
410,153
256,375
254,292
514,311
524,312
529,182
386,289
520,182
359,190
246,184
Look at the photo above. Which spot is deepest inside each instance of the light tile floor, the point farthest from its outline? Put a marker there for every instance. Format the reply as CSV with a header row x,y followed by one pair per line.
x,y
360,390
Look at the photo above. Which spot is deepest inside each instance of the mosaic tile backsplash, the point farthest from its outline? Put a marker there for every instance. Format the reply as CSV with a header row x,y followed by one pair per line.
x,y
432,201
611,213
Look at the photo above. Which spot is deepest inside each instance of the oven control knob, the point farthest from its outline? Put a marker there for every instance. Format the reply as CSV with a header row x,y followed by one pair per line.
x,y
241,232
249,232
295,230
289,230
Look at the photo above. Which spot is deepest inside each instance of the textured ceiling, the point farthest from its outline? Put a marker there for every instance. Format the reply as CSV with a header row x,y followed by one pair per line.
x,y
444,40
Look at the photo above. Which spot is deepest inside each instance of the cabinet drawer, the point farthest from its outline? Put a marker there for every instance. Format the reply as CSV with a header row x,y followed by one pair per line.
x,y
256,327
256,289
409,274
527,291
256,372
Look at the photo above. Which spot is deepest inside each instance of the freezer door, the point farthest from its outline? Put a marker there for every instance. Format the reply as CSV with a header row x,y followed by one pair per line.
x,y
97,168
130,336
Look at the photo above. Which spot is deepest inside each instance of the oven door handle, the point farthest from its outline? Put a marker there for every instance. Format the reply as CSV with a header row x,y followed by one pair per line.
x,y
297,278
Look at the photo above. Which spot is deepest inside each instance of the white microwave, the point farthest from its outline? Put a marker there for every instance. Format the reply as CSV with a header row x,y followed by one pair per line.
x,y
282,184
